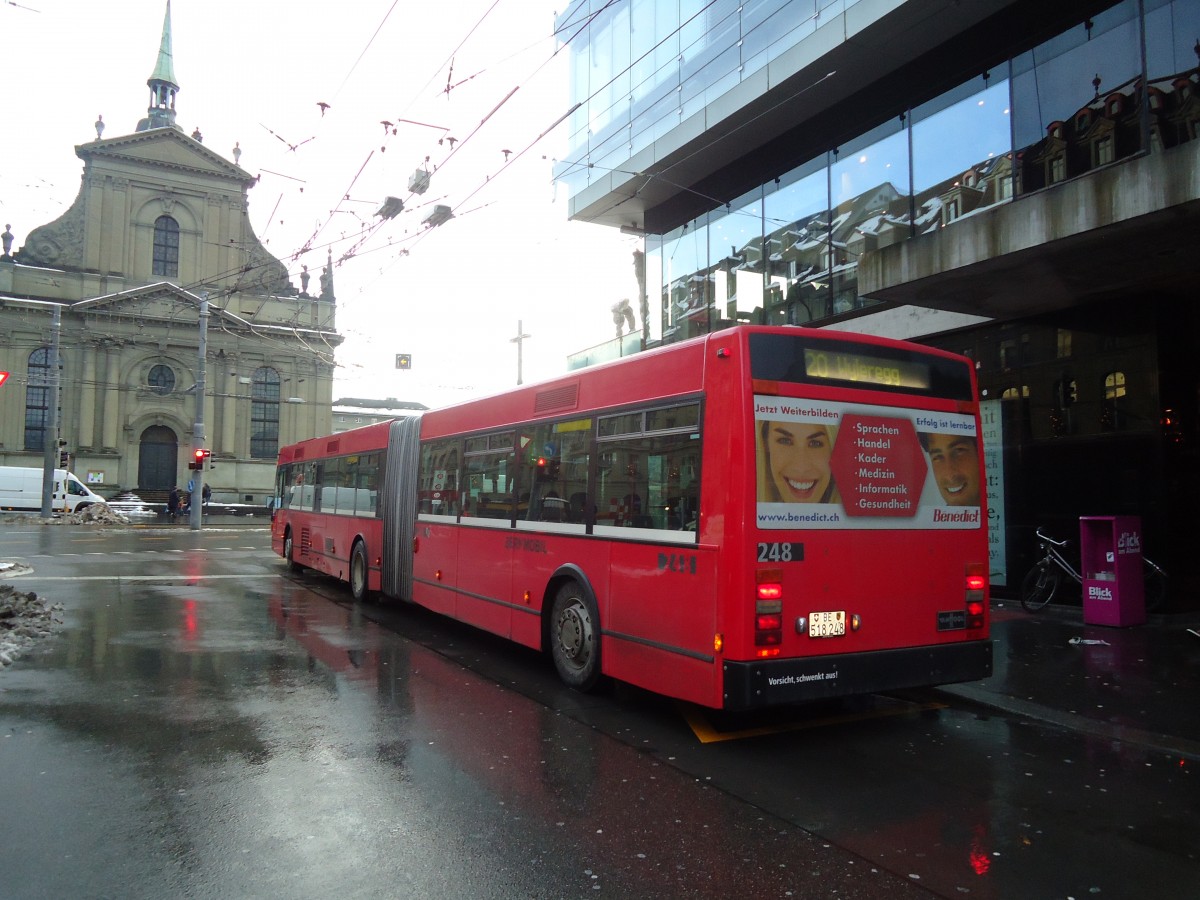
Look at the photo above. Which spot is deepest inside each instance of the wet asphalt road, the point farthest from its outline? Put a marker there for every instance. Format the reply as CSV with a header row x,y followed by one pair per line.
x,y
203,726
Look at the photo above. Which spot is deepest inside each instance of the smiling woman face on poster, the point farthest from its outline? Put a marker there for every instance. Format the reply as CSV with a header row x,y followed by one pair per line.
x,y
794,464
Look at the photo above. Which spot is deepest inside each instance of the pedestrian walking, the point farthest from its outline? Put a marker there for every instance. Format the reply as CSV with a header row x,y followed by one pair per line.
x,y
173,503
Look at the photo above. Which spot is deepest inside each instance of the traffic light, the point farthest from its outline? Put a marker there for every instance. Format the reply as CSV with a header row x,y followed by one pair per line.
x,y
197,459
64,455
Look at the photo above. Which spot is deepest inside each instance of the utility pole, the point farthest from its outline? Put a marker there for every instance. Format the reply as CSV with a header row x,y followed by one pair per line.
x,y
50,424
196,500
519,340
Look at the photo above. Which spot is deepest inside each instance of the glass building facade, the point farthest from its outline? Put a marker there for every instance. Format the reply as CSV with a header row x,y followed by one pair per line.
x,y
1086,365
1121,83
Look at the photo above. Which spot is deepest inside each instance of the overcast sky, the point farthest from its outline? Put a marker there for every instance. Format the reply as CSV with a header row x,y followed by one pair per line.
x,y
253,73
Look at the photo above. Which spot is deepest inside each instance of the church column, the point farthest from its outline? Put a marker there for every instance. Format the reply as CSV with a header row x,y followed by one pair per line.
x,y
87,402
112,401
229,413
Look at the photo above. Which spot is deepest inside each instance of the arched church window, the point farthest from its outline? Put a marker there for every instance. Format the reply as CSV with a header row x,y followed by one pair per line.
x,y
37,399
1111,406
166,247
264,413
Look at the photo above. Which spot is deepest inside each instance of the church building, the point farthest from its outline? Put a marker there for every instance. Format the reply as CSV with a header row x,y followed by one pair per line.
x,y
150,292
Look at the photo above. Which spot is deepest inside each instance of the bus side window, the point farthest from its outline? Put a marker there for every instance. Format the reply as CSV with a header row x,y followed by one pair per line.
x,y
648,475
437,479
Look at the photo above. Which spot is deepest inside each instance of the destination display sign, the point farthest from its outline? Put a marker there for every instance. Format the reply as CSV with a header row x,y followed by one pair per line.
x,y
827,364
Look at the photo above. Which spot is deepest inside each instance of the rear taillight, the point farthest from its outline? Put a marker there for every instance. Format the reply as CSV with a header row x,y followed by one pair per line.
x,y
768,612
976,595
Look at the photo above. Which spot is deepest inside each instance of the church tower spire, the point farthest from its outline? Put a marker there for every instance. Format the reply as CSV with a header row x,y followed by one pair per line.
x,y
162,83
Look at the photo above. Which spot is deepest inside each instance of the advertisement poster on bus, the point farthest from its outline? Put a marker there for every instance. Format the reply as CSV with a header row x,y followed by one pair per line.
x,y
857,466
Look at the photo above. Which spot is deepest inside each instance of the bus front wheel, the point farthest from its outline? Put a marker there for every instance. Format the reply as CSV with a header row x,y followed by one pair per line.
x,y
359,573
288,551
575,637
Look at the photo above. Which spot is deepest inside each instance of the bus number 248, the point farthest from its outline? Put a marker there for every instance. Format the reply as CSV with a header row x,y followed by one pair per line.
x,y
776,551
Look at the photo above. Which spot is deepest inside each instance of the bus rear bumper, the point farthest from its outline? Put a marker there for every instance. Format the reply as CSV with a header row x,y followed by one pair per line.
x,y
749,685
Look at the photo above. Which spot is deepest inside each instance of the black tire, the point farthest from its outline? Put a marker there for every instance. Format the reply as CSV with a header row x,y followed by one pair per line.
x,y
360,572
1155,588
575,637
288,551
1039,586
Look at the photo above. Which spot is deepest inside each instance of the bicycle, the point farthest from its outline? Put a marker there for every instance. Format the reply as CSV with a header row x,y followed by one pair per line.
x,y
1043,580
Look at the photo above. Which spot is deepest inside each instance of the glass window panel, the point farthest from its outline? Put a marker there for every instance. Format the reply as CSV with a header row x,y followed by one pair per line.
x,y
641,49
1172,29
166,246
37,399
961,153
490,489
673,417
437,491
264,413
301,494
655,296
870,193
797,227
1171,38
556,472
1053,83
737,288
368,475
628,423
161,379
650,482
689,285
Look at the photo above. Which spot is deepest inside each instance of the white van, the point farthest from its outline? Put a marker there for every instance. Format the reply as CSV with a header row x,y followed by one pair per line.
x,y
22,489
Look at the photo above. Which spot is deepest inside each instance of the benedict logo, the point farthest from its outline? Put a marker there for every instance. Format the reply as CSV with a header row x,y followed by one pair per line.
x,y
956,515
1095,592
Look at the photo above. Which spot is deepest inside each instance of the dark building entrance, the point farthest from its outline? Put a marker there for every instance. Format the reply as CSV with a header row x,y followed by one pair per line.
x,y
1100,415
158,459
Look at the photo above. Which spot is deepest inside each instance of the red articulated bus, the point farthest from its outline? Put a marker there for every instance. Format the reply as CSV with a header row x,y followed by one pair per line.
x,y
761,516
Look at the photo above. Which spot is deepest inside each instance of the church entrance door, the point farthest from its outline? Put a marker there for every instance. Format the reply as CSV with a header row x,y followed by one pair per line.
x,y
158,459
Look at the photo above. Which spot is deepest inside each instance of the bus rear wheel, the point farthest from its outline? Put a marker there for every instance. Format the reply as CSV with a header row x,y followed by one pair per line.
x,y
575,637
359,573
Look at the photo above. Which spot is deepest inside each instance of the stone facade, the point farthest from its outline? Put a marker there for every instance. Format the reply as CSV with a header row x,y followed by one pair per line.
x,y
158,232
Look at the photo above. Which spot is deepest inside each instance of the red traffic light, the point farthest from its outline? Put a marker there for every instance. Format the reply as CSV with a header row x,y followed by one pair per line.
x,y
199,454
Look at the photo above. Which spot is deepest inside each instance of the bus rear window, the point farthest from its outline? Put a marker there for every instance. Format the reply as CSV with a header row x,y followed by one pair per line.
x,y
807,360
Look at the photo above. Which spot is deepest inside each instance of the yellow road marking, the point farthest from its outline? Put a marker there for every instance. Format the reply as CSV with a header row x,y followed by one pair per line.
x,y
707,734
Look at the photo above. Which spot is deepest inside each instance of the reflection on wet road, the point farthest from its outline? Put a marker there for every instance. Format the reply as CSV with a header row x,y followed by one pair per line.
x,y
204,726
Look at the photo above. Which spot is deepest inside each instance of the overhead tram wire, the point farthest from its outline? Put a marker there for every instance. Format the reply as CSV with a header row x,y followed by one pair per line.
x,y
370,41
356,249
462,142
449,60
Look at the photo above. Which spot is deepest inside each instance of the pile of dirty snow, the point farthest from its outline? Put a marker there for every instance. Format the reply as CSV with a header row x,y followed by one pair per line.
x,y
96,514
24,619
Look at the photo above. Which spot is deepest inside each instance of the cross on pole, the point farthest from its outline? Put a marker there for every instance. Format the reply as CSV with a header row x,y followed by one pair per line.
x,y
519,340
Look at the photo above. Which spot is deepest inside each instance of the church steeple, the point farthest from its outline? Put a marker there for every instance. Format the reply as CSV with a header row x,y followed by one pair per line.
x,y
163,86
